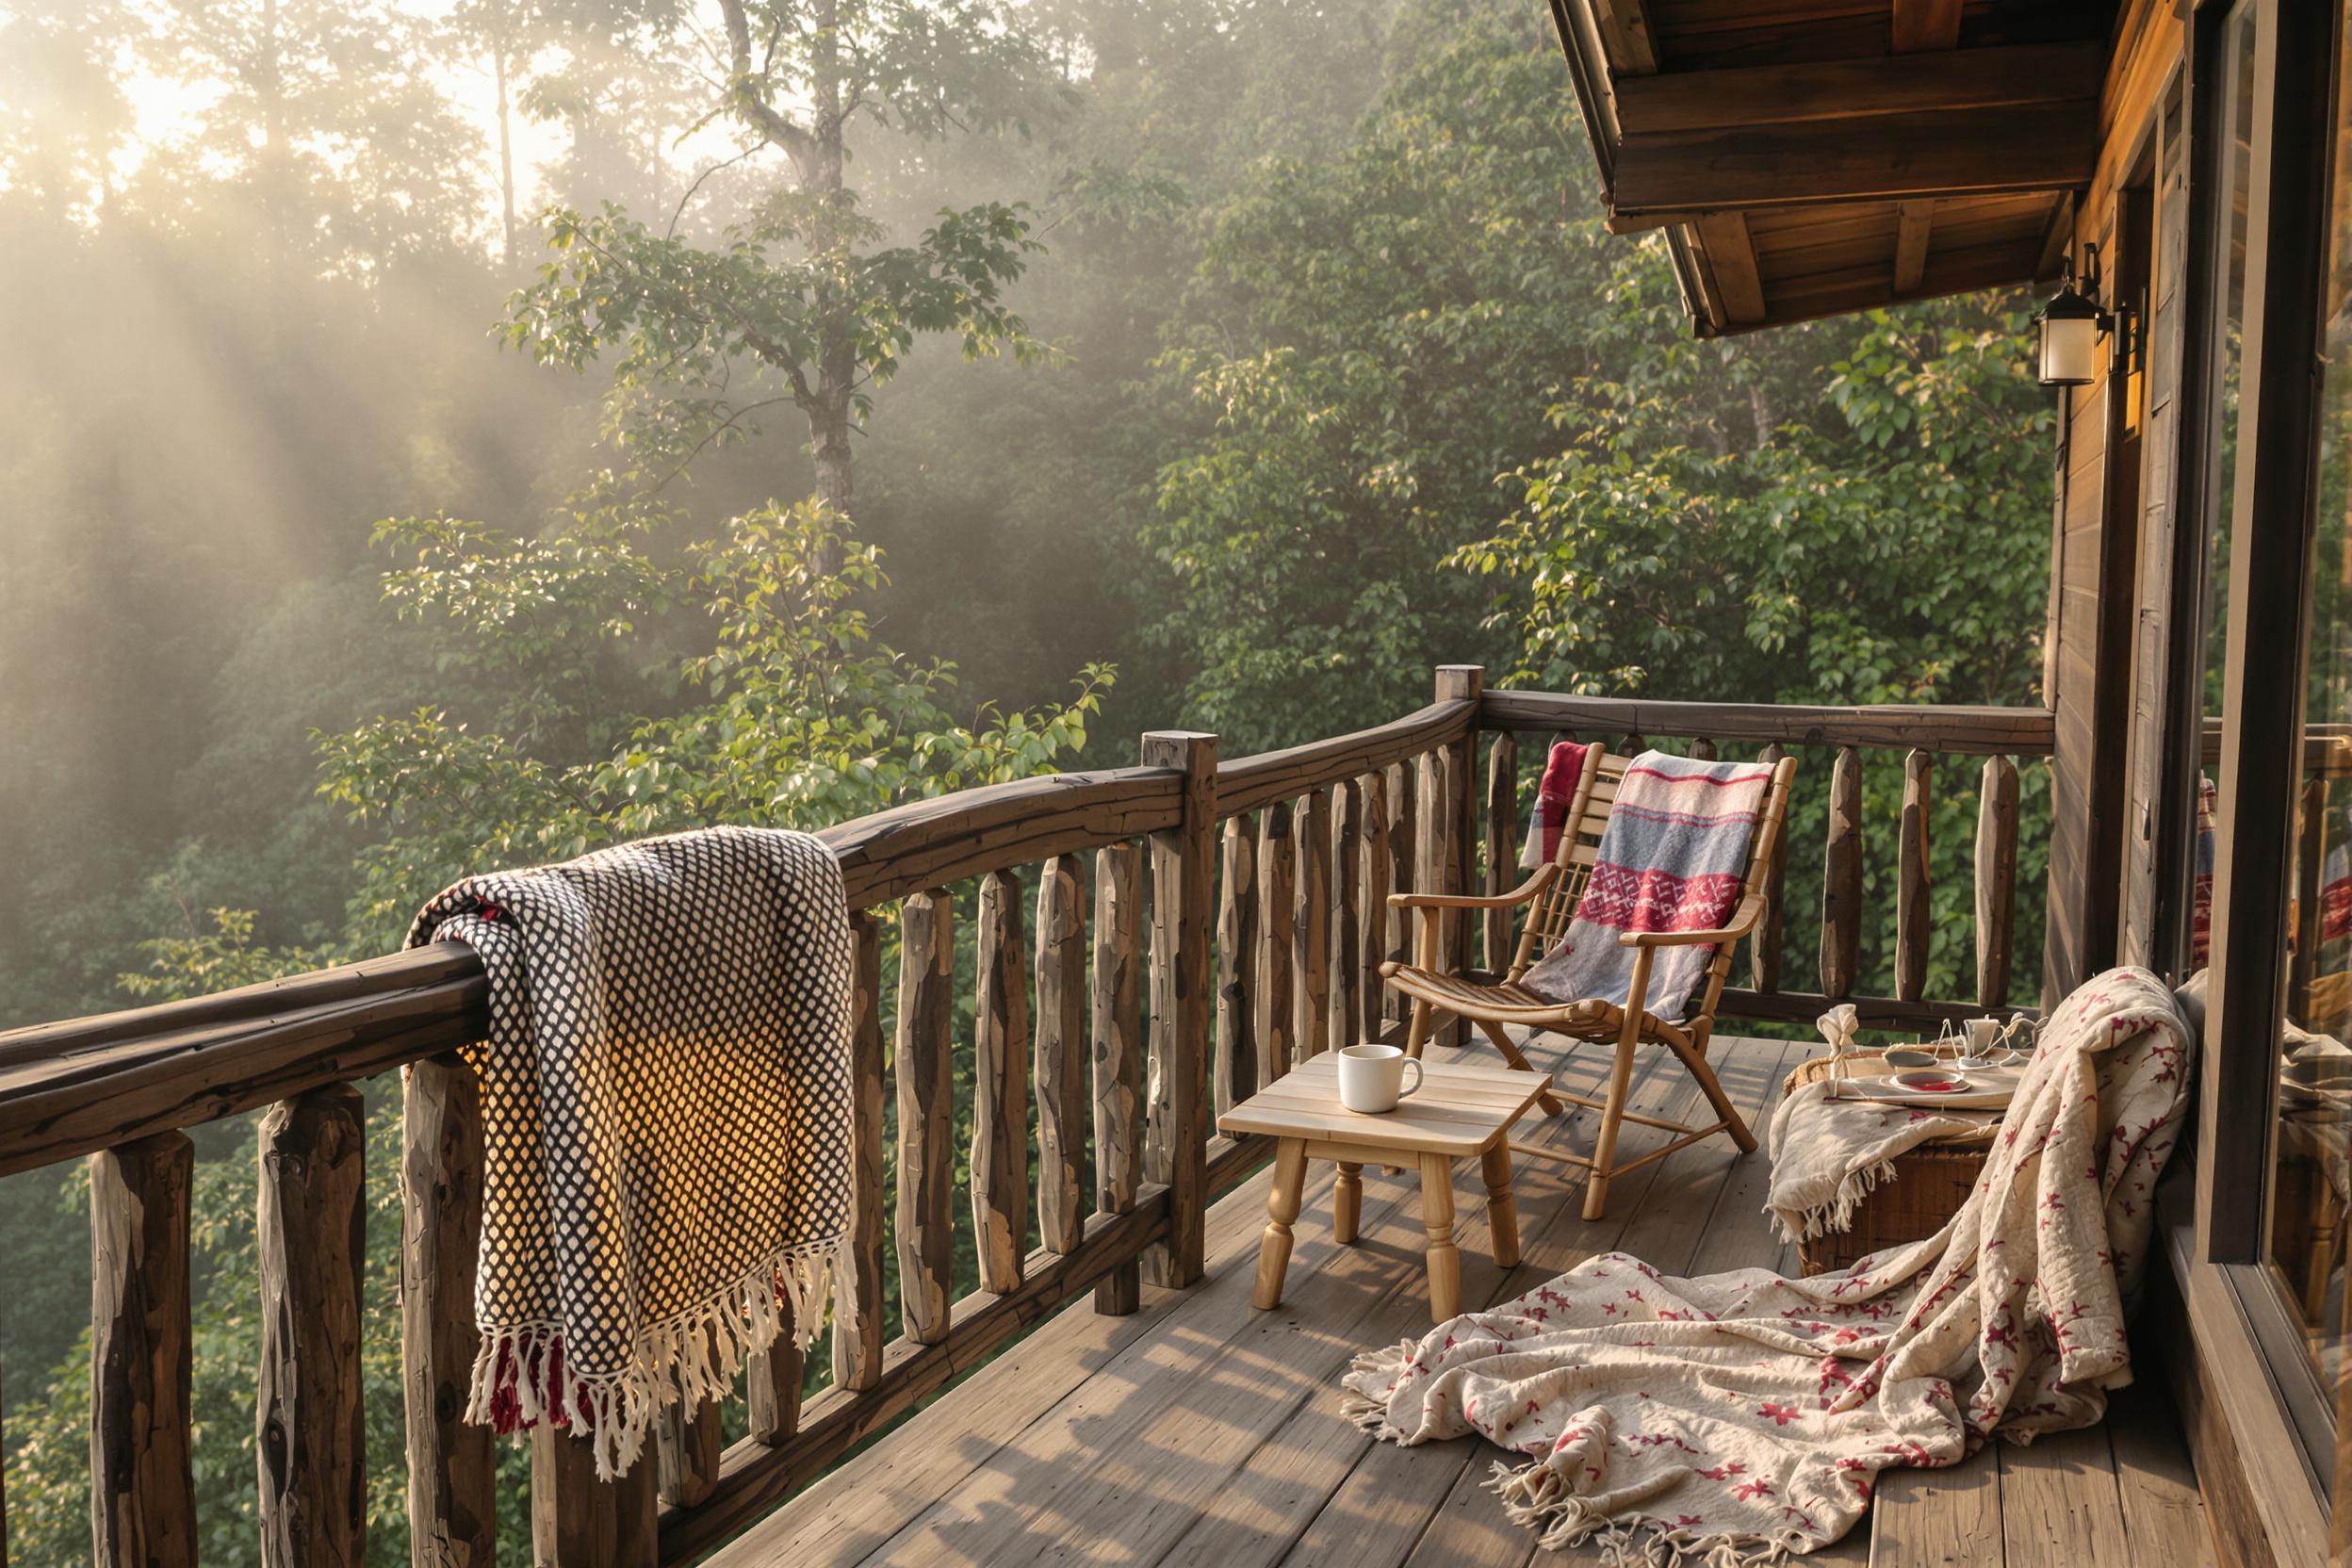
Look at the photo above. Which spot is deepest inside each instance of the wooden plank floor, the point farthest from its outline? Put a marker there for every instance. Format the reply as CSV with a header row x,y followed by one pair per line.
x,y
1199,1431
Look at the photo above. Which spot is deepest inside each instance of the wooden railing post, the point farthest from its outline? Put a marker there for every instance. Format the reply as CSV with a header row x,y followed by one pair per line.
x,y
858,1337
1842,879
1996,879
1458,759
1372,909
578,1521
310,1228
687,1442
142,1491
1277,922
1347,980
1061,1053
451,1517
925,1068
1311,929
771,1384
1176,1149
1237,965
1118,1031
1911,888
1502,848
1764,947
1404,865
999,1122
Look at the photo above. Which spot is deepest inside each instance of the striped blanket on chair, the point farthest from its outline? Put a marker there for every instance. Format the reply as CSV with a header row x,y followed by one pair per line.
x,y
1673,858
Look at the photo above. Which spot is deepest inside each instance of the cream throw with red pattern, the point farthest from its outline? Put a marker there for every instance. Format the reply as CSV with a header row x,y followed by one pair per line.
x,y
1733,1417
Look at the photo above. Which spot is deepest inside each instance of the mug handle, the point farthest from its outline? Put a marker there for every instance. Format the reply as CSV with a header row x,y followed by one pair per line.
x,y
1413,1064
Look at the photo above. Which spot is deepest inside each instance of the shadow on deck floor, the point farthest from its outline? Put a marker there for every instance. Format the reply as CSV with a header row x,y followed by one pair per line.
x,y
1199,1431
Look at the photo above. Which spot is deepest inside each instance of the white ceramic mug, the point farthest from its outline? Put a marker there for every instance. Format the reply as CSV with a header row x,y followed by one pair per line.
x,y
1372,1077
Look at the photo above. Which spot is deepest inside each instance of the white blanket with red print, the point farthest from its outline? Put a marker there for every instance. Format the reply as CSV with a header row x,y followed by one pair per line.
x,y
1735,1417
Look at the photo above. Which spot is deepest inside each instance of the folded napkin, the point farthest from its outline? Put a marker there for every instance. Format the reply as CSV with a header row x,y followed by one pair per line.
x,y
665,1096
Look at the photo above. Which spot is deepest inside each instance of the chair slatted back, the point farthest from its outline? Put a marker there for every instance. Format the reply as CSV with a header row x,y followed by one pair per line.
x,y
1597,788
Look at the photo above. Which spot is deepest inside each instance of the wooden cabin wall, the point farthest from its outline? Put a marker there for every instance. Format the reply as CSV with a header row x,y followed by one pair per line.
x,y
2105,661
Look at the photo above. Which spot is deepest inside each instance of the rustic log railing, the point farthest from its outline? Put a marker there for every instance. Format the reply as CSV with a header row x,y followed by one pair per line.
x,y
1266,880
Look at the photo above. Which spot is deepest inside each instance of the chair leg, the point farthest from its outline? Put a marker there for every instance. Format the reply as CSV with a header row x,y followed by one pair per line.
x,y
1733,1122
1417,1033
1612,1116
1511,1054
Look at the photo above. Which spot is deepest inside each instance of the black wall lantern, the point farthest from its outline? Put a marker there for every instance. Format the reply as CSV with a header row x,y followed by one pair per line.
x,y
2071,325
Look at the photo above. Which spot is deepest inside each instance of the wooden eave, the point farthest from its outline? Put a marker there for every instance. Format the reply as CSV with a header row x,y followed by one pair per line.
x,y
1812,158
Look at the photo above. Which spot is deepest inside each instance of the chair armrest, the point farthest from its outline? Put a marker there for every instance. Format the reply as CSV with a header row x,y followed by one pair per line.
x,y
1750,911
1520,894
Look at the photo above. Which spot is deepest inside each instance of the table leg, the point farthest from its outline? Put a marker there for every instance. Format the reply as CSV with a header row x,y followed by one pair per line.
x,y
1346,1201
1282,1208
1502,1209
1437,1218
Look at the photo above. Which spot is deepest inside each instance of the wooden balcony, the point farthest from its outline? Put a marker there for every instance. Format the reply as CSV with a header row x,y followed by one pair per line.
x,y
1166,1422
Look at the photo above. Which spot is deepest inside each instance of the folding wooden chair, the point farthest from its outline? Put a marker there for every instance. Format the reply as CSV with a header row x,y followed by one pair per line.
x,y
1551,895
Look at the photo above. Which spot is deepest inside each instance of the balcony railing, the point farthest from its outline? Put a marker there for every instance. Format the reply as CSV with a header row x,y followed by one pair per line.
x,y
1265,880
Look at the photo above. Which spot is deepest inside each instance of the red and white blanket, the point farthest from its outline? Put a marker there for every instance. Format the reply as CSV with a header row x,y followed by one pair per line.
x,y
1672,858
1554,794
1732,1419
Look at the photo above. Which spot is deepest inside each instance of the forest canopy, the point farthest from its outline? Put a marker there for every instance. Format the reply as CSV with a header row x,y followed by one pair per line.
x,y
447,434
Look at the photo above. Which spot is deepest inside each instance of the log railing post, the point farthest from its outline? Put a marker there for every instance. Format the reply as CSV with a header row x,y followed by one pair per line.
x,y
1502,849
1404,868
1460,761
999,1122
1117,1032
1277,922
1346,978
687,1442
1237,964
142,1489
1311,928
1996,879
858,1337
451,1518
772,1385
1911,888
578,1521
1183,865
1372,907
310,1228
1764,947
924,1067
1060,1067
1841,878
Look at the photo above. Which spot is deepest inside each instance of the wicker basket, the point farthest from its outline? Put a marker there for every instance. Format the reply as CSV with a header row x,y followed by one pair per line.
x,y
1931,1183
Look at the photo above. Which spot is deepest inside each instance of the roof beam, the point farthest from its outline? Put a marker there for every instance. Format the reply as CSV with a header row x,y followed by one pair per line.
x,y
1840,90
1731,255
1888,156
1628,37
1912,220
1926,26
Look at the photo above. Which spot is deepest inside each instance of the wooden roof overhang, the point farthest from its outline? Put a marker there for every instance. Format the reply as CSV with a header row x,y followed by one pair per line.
x,y
1811,158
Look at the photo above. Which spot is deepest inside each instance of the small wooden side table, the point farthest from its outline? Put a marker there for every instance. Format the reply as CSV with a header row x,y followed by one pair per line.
x,y
1459,1112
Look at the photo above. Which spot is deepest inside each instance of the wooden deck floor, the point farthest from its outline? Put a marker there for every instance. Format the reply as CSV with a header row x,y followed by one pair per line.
x,y
1199,1431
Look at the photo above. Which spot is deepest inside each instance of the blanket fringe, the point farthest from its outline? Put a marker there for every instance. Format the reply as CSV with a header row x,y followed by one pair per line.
x,y
1837,1216
694,1356
1539,1498
1373,1369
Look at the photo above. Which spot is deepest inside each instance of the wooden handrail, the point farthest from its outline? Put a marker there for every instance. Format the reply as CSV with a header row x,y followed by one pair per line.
x,y
1248,783
1982,731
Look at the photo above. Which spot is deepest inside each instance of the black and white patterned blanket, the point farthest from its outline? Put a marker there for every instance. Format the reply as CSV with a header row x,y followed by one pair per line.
x,y
666,1104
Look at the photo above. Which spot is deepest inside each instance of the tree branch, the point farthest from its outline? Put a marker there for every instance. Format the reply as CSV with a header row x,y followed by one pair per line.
x,y
760,115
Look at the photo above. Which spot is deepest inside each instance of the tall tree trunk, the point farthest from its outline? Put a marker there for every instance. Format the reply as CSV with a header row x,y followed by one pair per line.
x,y
506,145
837,351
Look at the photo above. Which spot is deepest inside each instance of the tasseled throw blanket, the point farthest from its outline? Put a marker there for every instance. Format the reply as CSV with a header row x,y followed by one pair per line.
x,y
1553,794
666,1121
1735,1418
1829,1154
1672,858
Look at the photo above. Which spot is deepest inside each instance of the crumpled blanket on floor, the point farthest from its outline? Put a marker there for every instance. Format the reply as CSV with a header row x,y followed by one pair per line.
x,y
1732,1419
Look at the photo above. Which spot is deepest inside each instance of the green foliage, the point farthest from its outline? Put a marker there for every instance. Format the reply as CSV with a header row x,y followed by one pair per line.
x,y
792,714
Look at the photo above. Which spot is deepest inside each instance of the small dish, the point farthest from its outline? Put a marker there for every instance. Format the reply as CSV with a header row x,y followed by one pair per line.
x,y
1910,1056
1931,1081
